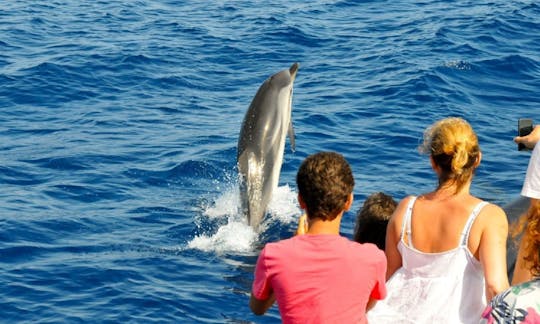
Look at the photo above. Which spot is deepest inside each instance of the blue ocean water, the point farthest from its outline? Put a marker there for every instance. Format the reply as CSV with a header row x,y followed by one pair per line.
x,y
119,122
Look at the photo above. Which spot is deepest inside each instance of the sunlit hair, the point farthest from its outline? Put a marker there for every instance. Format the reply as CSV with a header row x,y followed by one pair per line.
x,y
529,226
325,181
453,145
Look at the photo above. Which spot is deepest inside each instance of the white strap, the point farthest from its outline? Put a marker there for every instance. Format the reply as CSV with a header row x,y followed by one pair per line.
x,y
470,221
406,223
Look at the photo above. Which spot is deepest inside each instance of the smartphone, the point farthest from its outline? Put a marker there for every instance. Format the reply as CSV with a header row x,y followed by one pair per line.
x,y
525,127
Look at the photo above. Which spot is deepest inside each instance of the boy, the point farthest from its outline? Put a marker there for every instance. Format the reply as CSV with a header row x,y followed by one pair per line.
x,y
320,277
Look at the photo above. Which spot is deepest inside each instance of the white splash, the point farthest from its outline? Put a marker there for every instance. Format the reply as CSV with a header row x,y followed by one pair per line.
x,y
284,205
232,237
225,205
458,65
236,236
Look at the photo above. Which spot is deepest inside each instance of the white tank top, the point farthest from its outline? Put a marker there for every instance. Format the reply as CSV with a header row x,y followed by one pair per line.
x,y
444,287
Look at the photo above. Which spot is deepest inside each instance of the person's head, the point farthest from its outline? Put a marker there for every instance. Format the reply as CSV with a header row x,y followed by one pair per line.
x,y
531,222
325,183
454,150
372,218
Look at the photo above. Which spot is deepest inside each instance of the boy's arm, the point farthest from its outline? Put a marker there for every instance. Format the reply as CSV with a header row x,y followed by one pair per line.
x,y
262,287
372,301
260,306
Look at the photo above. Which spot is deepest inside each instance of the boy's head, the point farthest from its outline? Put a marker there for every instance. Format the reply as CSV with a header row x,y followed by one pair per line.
x,y
325,183
372,219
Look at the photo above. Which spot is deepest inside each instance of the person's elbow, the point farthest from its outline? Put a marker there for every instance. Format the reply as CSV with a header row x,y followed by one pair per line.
x,y
371,303
258,307
495,288
257,310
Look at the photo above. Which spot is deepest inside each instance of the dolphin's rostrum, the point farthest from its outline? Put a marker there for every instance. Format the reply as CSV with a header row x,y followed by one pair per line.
x,y
262,143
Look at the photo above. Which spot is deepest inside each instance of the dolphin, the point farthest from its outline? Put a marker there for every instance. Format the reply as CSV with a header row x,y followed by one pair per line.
x,y
261,143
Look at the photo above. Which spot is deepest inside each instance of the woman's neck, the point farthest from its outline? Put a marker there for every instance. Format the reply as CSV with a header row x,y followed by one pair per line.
x,y
450,190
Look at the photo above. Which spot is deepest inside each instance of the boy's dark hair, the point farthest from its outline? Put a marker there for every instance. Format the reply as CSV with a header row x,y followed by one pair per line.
x,y
325,181
372,218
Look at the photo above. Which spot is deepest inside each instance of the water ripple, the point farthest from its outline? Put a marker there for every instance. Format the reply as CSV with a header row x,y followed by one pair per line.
x,y
119,125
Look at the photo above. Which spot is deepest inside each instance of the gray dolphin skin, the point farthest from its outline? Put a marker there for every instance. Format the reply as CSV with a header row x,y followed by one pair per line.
x,y
261,143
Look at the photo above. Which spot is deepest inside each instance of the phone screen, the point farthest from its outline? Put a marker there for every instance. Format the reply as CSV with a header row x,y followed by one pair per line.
x,y
525,127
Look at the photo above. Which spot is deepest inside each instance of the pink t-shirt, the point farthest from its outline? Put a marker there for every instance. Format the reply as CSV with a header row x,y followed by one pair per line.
x,y
320,278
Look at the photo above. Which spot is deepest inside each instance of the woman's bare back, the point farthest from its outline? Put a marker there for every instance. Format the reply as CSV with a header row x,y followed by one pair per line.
x,y
437,223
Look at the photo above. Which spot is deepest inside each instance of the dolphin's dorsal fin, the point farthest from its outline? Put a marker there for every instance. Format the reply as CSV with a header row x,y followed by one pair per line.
x,y
291,136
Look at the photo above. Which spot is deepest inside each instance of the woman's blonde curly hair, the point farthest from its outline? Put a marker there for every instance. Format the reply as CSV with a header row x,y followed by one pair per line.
x,y
453,145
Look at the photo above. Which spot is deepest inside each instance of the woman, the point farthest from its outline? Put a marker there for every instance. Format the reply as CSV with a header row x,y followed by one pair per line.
x,y
446,249
521,303
531,189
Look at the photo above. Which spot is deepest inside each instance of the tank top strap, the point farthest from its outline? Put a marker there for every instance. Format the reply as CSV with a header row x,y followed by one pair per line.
x,y
470,221
406,223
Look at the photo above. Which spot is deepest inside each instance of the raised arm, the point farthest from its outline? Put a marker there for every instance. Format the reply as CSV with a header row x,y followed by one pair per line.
x,y
492,249
531,139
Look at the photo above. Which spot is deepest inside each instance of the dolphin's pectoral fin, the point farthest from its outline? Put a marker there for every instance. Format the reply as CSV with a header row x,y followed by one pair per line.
x,y
291,136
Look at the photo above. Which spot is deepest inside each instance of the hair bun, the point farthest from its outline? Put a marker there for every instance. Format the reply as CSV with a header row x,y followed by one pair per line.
x,y
454,147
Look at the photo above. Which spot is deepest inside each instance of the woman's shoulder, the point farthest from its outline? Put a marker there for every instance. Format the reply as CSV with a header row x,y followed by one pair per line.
x,y
396,220
492,214
404,204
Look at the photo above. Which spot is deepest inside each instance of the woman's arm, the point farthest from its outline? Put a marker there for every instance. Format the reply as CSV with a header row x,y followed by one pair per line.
x,y
393,233
492,250
521,273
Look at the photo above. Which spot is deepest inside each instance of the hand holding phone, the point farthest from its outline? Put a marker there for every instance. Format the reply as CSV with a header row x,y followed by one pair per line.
x,y
525,127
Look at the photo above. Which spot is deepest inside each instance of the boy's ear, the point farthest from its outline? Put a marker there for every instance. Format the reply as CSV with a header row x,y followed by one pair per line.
x,y
301,202
349,202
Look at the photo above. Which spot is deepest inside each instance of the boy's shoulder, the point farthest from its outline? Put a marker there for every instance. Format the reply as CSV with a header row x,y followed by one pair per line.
x,y
368,252
367,247
337,240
